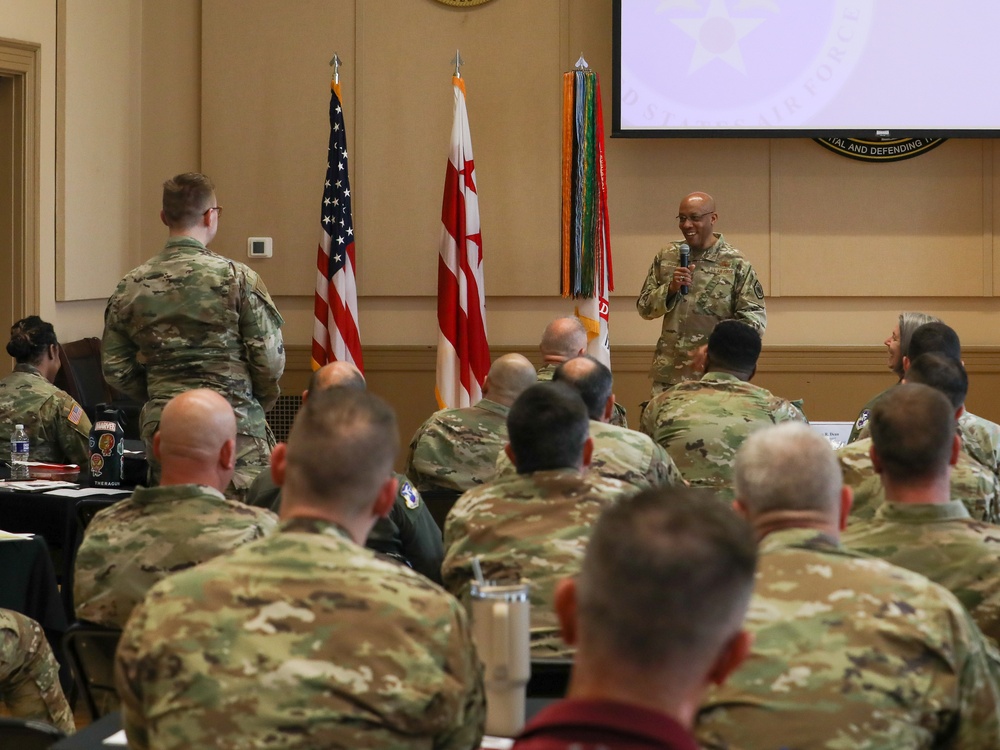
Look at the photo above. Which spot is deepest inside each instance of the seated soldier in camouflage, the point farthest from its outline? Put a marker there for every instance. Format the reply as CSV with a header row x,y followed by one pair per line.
x,y
57,427
29,674
182,522
305,638
409,533
619,453
534,525
848,651
971,483
456,449
921,526
703,422
562,340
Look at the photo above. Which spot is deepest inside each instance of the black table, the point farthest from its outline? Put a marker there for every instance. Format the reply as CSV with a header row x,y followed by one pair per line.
x,y
92,737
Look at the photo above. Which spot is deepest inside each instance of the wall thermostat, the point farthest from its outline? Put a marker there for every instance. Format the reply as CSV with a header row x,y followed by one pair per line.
x,y
258,247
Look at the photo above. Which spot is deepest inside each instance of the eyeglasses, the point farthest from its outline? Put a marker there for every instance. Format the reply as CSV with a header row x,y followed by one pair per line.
x,y
213,208
695,218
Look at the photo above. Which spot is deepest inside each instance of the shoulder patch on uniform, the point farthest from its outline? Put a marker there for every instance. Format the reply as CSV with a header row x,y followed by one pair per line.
x,y
75,414
410,496
862,420
758,290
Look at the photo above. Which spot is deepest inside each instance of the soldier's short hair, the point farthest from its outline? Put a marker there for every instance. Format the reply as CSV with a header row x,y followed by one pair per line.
x,y
351,380
547,426
666,580
913,431
908,323
593,382
186,197
942,373
735,346
787,467
29,339
341,448
563,337
935,337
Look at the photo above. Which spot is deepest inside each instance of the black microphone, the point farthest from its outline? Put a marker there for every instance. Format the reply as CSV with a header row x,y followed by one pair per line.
x,y
685,261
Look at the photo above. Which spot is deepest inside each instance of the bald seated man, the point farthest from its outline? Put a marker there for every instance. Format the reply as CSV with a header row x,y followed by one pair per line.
x,y
456,449
409,533
717,284
562,340
184,521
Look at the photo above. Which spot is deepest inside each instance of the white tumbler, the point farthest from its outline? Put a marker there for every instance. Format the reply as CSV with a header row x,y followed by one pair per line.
x,y
501,628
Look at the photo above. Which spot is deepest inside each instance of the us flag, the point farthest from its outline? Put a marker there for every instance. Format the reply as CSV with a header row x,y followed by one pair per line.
x,y
463,356
335,329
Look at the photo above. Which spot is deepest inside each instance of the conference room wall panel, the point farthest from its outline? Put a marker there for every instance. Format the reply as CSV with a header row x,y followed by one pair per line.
x,y
240,90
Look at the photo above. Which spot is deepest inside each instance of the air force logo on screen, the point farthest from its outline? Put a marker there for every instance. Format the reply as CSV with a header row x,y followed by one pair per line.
x,y
742,64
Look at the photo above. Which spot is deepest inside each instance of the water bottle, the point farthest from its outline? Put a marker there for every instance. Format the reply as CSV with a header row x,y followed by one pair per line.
x,y
107,447
19,448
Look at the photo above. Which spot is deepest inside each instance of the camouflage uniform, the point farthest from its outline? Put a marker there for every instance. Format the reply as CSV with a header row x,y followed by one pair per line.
x,y
156,532
981,439
703,422
622,454
456,449
300,640
851,652
189,318
56,424
971,482
725,286
619,417
943,543
408,533
29,674
860,429
531,527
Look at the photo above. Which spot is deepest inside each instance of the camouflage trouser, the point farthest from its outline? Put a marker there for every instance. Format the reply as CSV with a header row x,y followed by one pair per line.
x,y
253,455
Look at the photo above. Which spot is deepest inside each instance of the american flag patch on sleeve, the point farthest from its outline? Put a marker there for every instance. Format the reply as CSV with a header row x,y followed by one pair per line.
x,y
75,414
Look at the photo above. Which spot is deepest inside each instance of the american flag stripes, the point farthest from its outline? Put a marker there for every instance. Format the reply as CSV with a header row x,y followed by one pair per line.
x,y
463,356
335,328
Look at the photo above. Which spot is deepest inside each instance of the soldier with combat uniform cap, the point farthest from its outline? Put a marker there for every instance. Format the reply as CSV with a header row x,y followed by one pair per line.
x,y
533,525
189,318
305,638
456,449
409,533
57,427
848,651
703,422
184,521
29,673
721,285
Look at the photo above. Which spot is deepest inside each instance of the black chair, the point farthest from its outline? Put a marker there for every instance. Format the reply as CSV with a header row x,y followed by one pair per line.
x,y
439,502
88,507
82,378
91,652
27,734
549,678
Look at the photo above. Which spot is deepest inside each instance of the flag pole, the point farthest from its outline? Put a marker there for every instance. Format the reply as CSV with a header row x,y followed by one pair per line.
x,y
335,64
459,62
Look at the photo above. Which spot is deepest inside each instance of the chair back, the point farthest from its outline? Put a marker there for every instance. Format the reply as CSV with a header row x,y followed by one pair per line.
x,y
87,508
27,734
439,502
82,377
91,652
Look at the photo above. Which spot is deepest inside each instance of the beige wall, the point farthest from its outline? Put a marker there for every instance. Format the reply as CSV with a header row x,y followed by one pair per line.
x,y
239,88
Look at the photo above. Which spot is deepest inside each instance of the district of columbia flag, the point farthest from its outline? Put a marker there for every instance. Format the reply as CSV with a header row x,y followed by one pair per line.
x,y
463,354
335,329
